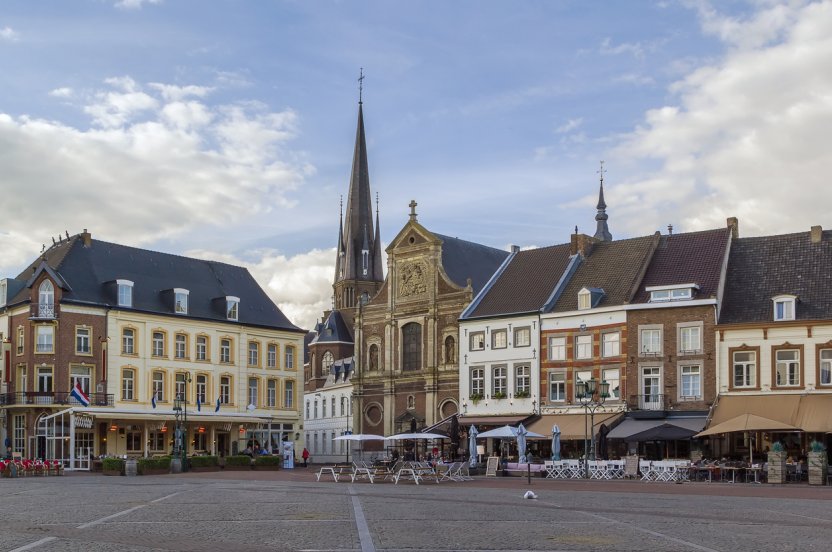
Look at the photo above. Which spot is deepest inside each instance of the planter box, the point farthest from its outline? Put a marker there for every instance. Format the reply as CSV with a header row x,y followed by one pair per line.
x,y
155,471
817,463
111,472
777,467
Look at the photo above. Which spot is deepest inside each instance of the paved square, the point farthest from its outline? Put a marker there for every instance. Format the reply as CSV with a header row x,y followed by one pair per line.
x,y
290,511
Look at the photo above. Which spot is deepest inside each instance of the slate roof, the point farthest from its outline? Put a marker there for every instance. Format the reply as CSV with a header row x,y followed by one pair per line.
x,y
526,283
91,273
333,330
688,258
613,266
761,267
463,259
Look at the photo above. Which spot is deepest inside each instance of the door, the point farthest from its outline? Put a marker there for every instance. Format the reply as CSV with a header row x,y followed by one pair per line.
x,y
222,443
651,385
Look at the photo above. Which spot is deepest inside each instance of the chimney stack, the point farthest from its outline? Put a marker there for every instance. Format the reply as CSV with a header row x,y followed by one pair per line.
x,y
581,244
817,234
515,248
734,225
87,237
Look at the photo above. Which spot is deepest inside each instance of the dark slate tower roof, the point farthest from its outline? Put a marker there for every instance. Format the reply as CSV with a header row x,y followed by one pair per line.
x,y
358,233
333,330
602,232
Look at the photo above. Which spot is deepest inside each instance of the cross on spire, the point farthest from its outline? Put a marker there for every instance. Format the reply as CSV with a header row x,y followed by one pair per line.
x,y
360,84
412,206
601,171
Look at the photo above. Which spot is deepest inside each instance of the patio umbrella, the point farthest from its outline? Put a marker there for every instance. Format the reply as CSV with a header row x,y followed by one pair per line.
x,y
556,443
507,432
602,442
360,437
472,446
454,431
521,443
414,436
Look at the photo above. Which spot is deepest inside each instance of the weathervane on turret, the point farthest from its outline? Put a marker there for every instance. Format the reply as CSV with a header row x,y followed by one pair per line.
x,y
360,84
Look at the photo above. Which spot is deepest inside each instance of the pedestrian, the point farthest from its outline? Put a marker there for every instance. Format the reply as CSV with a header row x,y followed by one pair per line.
x,y
305,455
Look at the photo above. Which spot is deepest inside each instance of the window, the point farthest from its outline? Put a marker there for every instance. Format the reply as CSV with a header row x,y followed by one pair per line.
x,y
500,381
690,339
583,346
20,340
522,337
326,363
44,380
557,348
651,388
134,441
613,377
181,386
651,342
82,341
128,384
343,406
787,370
679,294
584,299
411,347
477,382
825,376
271,393
557,386
271,356
82,375
253,353
477,341
125,293
225,390
158,349
232,308
691,377
584,375
252,391
46,300
332,406
45,339
745,369
611,344
315,411
522,381
19,441
180,301
159,386
225,351
784,307
323,408
180,345
157,441
201,347
128,341
202,388
307,410
499,339
289,353
289,394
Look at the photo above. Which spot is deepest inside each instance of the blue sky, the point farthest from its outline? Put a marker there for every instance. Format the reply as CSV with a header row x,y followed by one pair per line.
x,y
225,129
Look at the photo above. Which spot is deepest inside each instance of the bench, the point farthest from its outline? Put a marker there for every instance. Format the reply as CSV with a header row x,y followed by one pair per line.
x,y
522,469
335,472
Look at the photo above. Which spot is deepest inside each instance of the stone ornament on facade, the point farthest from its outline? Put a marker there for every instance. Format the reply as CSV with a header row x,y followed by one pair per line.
x,y
412,280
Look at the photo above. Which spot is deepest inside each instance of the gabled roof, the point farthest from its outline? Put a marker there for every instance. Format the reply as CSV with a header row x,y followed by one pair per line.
x,y
91,272
463,259
333,330
614,266
760,268
526,282
691,257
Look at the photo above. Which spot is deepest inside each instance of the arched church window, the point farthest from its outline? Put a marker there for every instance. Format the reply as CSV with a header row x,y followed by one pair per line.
x,y
326,363
411,347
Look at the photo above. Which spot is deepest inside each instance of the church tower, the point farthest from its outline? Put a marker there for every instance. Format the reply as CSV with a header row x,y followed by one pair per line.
x,y
602,231
358,267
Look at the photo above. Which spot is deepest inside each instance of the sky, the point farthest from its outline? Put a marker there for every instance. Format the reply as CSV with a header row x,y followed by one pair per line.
x,y
225,129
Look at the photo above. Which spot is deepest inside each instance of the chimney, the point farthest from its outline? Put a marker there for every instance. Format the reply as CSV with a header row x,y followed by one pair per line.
x,y
515,248
817,234
87,237
734,225
581,244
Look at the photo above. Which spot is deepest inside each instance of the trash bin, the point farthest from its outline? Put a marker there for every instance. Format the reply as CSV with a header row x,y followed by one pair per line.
x,y
131,467
175,465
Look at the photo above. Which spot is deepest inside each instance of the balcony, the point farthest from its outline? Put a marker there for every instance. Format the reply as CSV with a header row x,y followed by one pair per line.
x,y
650,402
23,398
43,311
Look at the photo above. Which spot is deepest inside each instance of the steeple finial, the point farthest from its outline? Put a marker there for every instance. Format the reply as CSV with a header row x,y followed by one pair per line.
x,y
412,206
602,231
360,85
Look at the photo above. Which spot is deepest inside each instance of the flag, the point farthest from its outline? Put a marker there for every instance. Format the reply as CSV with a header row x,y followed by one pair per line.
x,y
198,404
217,409
79,394
153,400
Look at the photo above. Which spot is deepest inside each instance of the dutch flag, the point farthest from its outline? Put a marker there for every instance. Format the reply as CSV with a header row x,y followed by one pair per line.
x,y
79,394
153,400
217,409
198,404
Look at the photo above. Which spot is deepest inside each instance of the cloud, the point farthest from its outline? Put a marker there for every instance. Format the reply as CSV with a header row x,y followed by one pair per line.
x,y
156,162
9,34
64,92
746,136
134,4
569,125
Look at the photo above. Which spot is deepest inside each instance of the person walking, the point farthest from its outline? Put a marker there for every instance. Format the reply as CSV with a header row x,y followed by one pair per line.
x,y
305,455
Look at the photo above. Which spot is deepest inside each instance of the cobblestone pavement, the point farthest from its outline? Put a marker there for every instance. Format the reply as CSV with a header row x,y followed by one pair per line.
x,y
289,510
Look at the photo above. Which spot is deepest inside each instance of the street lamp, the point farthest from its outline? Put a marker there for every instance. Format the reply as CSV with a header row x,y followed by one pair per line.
x,y
180,412
591,396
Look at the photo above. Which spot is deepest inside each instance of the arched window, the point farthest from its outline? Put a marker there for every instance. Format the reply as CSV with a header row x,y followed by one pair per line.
x,y
46,300
326,363
373,358
411,346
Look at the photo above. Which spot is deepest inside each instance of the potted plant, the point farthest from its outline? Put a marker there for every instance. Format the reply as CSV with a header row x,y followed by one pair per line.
x,y
817,463
500,395
238,463
154,466
267,462
205,464
777,464
112,466
522,395
476,397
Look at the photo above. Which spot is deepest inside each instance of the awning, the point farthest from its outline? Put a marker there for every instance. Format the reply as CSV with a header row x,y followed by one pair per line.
x,y
637,430
572,426
815,414
780,408
118,414
747,422
493,420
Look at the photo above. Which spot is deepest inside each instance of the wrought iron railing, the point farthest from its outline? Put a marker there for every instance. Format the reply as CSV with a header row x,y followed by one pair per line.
x,y
651,402
58,398
43,311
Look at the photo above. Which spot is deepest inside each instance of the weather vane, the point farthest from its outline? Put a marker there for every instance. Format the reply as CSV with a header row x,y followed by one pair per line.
x,y
360,84
601,171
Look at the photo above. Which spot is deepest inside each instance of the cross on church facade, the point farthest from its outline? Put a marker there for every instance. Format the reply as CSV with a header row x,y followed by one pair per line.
x,y
412,206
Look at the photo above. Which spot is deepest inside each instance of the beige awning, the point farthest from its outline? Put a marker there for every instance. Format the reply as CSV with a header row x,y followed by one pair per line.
x,y
492,420
572,426
815,414
220,417
747,422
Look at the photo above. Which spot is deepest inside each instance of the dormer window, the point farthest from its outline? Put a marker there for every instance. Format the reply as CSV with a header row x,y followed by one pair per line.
x,y
232,308
125,293
589,298
784,307
681,292
180,300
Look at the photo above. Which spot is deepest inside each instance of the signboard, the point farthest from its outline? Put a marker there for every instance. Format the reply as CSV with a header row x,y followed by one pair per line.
x,y
491,467
288,455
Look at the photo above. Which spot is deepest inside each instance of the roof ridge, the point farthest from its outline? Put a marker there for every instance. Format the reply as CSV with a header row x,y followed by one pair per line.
x,y
444,237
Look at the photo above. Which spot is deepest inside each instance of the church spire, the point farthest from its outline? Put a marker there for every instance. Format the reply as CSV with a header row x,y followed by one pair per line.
x,y
378,273
602,232
339,248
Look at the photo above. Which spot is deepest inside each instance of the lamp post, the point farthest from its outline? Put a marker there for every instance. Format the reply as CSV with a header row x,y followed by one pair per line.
x,y
591,396
180,412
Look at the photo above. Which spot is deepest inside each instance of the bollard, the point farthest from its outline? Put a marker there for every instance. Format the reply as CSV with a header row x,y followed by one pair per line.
x,y
529,474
